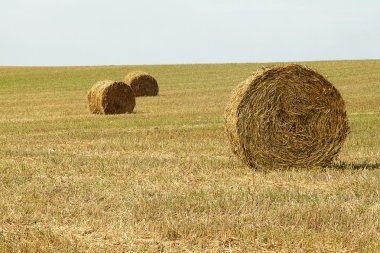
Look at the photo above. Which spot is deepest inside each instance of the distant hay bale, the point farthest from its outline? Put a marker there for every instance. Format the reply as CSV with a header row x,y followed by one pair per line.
x,y
142,83
286,116
109,97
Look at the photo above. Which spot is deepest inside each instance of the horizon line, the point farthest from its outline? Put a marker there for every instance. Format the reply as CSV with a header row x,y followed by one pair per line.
x,y
174,64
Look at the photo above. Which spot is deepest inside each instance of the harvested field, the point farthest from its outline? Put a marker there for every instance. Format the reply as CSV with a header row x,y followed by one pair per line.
x,y
164,178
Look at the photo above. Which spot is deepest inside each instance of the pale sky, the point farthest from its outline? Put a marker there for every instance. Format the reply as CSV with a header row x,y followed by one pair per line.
x,y
124,32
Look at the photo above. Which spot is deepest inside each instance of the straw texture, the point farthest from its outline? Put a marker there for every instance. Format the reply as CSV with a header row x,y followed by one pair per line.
x,y
286,116
109,97
142,83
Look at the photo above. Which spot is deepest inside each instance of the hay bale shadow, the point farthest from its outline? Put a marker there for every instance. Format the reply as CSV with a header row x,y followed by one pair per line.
x,y
357,166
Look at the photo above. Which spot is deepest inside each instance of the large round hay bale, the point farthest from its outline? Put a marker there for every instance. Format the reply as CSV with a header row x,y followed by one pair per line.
x,y
286,116
142,83
109,97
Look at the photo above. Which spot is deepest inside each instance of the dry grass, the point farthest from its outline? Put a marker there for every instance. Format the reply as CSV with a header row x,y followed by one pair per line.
x,y
286,116
165,179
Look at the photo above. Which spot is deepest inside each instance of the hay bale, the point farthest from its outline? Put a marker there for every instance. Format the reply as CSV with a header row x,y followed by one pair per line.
x,y
109,97
142,83
286,116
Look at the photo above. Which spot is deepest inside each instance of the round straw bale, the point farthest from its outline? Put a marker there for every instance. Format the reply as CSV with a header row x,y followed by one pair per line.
x,y
286,116
142,83
109,97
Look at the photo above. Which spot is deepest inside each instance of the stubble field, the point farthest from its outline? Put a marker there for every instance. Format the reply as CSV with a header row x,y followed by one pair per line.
x,y
164,179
